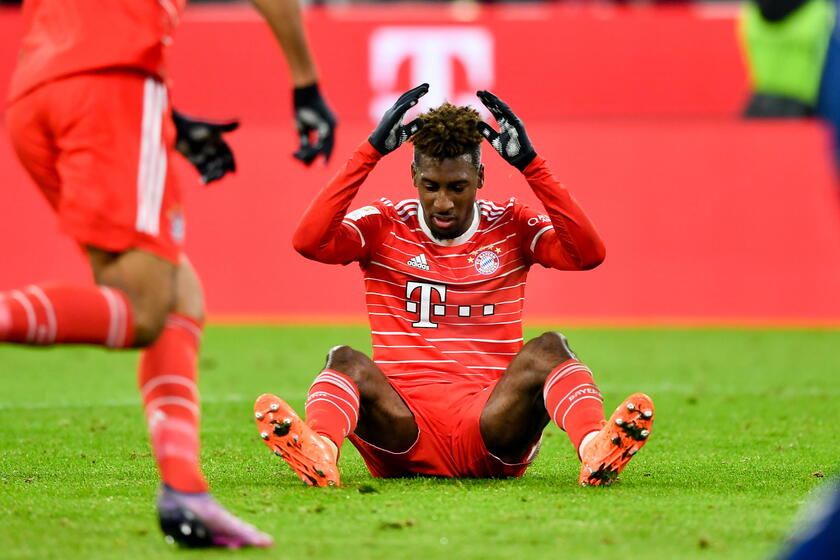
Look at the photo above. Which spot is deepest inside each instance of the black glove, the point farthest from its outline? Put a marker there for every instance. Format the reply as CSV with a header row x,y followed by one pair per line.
x,y
390,132
511,141
203,145
313,115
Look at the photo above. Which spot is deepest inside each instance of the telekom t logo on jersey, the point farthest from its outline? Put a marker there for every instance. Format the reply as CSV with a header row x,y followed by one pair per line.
x,y
433,53
426,306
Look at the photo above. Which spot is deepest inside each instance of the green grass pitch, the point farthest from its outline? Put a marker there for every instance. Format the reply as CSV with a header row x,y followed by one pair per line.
x,y
745,429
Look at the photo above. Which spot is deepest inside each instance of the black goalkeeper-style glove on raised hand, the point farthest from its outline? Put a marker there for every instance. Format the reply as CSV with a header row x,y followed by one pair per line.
x,y
511,141
202,144
390,133
312,115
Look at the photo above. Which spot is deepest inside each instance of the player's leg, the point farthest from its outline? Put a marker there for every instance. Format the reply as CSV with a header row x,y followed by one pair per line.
x,y
167,378
351,395
67,134
547,381
383,418
518,409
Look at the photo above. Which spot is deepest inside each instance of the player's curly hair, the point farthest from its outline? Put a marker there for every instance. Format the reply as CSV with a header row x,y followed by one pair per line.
x,y
448,131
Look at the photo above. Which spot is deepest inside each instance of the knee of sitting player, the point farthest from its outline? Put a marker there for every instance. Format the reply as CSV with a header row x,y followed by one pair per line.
x,y
350,362
546,352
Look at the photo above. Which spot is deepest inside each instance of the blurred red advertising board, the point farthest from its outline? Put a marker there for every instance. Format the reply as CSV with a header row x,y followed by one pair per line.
x,y
707,219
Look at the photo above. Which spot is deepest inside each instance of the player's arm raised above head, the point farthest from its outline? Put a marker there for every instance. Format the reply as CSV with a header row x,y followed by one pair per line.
x,y
323,234
571,242
312,114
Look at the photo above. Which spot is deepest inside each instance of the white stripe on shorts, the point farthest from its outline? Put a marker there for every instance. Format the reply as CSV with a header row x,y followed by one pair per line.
x,y
151,170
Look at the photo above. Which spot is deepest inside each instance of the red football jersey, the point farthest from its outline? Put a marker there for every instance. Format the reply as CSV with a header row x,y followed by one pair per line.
x,y
444,311
64,37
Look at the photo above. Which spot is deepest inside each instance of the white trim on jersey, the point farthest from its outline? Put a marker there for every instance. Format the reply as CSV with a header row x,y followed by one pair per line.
x,y
477,352
448,283
151,167
405,346
461,239
401,298
410,241
401,309
486,291
473,340
352,225
538,235
495,226
415,361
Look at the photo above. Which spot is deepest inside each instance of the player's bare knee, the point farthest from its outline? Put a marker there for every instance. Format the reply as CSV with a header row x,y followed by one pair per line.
x,y
149,322
189,296
541,355
552,346
350,362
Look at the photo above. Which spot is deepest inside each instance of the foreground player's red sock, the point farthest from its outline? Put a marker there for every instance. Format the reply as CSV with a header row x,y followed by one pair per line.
x,y
573,400
167,379
58,314
332,407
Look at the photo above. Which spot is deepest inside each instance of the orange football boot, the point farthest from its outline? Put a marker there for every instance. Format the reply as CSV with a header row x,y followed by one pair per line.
x,y
622,436
292,440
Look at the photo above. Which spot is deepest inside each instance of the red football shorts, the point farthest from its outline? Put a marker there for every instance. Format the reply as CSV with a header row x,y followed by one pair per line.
x,y
98,145
449,442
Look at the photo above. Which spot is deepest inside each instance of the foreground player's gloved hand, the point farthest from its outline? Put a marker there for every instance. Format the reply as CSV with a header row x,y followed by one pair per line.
x,y
313,115
390,133
203,145
511,141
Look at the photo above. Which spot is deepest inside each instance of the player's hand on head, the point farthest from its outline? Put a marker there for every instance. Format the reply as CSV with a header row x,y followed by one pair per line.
x,y
511,141
315,123
202,143
390,133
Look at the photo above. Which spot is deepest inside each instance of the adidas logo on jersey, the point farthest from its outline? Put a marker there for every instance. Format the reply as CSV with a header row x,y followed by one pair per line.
x,y
419,262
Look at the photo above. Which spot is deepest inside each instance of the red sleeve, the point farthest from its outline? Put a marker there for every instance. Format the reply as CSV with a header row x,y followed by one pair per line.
x,y
565,239
323,233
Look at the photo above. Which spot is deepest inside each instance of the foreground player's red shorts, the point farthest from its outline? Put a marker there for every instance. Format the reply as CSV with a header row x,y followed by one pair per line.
x,y
449,442
98,146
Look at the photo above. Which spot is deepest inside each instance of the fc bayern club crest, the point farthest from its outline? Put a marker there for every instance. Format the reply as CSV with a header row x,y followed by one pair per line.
x,y
487,262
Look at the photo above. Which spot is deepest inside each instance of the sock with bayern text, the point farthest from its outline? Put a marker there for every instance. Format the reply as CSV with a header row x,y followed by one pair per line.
x,y
573,401
332,407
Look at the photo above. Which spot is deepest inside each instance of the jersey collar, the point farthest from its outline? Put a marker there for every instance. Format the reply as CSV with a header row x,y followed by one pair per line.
x,y
461,239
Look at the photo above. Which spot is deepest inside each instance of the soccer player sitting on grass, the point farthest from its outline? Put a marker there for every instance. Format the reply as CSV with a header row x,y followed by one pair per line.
x,y
451,390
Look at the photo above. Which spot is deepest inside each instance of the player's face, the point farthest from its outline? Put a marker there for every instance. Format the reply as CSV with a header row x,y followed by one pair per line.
x,y
447,189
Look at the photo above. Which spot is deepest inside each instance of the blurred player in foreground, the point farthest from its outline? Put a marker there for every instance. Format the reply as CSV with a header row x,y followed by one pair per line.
x,y
451,389
89,119
817,536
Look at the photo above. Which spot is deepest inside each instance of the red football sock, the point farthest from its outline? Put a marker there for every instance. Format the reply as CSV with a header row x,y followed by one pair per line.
x,y
573,400
167,379
332,407
58,314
